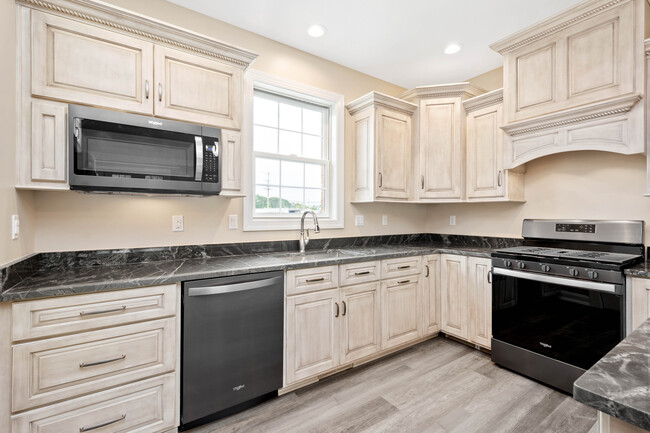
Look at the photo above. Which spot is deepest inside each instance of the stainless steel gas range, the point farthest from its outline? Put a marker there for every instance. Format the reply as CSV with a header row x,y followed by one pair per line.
x,y
559,301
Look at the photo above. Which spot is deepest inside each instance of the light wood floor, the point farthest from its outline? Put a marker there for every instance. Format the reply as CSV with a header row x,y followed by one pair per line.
x,y
439,386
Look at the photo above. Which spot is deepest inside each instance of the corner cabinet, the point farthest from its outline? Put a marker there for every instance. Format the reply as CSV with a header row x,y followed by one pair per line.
x,y
486,177
439,153
574,80
382,128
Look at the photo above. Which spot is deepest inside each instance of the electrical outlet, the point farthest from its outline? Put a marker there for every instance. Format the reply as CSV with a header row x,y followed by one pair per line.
x,y
232,222
452,220
384,220
15,226
358,220
178,223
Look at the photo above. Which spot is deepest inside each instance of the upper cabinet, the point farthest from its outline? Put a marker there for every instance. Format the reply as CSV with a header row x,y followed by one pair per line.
x,y
439,151
382,128
572,82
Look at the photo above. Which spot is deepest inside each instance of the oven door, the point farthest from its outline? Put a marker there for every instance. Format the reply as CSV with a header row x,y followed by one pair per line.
x,y
573,321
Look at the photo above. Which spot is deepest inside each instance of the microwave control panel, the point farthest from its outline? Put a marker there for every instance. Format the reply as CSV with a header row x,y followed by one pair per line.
x,y
211,161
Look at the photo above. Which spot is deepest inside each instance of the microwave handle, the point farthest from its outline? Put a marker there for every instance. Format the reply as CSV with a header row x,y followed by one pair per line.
x,y
198,174
77,134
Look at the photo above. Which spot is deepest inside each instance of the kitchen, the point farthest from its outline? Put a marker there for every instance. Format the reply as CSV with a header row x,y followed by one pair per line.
x,y
582,184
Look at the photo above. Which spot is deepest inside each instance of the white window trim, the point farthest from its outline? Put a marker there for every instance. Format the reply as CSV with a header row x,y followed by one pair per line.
x,y
335,102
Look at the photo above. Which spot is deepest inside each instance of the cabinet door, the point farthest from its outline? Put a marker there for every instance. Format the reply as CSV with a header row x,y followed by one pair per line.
x,y
312,334
485,176
479,288
85,64
453,295
361,326
431,294
197,89
393,154
400,319
230,162
441,152
640,301
49,142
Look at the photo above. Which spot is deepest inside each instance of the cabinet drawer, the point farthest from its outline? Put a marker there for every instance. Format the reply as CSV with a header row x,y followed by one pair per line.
x,y
393,268
312,279
355,273
147,406
54,369
64,315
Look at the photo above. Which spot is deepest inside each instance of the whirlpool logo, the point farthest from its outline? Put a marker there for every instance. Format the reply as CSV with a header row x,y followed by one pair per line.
x,y
239,387
548,346
153,122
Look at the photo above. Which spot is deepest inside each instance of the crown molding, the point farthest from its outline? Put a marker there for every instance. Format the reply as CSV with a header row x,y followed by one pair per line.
x,y
100,13
485,100
376,99
598,110
580,12
463,90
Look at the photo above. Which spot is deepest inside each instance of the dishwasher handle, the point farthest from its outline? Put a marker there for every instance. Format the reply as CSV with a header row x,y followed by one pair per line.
x,y
230,288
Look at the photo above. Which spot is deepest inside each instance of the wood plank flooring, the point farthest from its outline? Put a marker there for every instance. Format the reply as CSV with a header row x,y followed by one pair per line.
x,y
439,386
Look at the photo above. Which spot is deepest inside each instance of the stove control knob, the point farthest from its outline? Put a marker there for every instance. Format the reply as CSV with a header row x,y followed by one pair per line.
x,y
521,265
546,268
573,272
592,274
507,263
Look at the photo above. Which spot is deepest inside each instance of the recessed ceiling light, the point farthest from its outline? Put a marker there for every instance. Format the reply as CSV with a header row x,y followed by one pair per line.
x,y
453,48
316,31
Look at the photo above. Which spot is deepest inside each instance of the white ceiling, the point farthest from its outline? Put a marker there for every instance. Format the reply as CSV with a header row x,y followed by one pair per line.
x,y
401,42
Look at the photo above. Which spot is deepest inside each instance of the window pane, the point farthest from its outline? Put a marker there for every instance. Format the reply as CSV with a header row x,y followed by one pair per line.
x,y
314,176
312,122
293,173
290,143
312,147
265,112
265,139
267,199
314,199
292,200
267,171
290,117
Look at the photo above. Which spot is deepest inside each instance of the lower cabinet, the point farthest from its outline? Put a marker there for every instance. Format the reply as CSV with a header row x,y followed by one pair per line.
x,y
431,294
640,293
399,310
361,321
479,291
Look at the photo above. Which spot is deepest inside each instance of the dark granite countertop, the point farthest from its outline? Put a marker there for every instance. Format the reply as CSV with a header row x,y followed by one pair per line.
x,y
70,280
619,384
641,270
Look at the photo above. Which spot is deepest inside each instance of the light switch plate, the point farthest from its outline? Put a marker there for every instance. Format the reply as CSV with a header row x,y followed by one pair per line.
x,y
452,220
178,223
359,220
384,220
232,222
15,227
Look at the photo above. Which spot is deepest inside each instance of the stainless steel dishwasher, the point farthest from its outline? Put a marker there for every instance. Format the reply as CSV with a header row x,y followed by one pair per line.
x,y
232,331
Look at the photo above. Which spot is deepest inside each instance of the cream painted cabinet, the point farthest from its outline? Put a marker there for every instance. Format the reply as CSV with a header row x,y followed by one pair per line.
x,y
82,63
361,325
439,161
400,304
431,294
196,89
49,150
231,163
486,177
382,140
640,294
313,328
453,295
479,295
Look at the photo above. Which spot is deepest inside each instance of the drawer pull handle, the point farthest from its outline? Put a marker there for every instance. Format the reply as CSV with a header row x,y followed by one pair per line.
x,y
427,268
345,308
337,309
106,361
112,310
315,280
404,267
146,89
160,92
95,427
361,273
403,281
489,277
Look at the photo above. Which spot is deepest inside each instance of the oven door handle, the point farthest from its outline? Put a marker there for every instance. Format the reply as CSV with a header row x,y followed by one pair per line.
x,y
198,174
580,284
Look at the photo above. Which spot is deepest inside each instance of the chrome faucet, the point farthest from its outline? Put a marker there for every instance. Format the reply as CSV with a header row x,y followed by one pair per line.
x,y
304,239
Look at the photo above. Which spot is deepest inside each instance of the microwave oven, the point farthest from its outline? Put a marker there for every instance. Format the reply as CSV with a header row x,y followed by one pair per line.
x,y
111,151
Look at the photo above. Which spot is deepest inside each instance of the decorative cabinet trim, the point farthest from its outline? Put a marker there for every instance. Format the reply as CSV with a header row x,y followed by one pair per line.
x,y
144,27
377,99
464,90
485,100
570,17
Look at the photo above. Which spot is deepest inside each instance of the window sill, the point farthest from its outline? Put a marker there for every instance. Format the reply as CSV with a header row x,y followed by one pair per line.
x,y
261,224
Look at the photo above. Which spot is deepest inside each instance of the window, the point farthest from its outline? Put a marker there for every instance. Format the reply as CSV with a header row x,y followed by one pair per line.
x,y
293,158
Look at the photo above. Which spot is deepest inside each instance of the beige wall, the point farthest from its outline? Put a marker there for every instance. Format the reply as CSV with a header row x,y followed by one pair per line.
x,y
11,201
490,80
75,221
